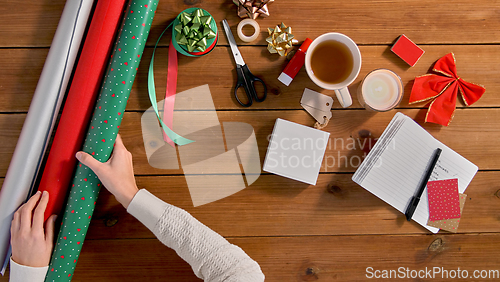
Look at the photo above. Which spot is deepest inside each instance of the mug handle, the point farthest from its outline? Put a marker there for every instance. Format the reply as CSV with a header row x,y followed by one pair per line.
x,y
344,97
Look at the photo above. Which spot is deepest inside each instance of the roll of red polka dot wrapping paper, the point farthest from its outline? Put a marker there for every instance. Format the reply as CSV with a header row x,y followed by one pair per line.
x,y
101,136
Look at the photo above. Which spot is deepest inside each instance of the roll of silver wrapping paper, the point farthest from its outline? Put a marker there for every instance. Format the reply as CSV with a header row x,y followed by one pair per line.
x,y
42,114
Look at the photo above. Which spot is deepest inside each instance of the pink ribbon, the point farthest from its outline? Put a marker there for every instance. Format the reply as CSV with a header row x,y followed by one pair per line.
x,y
169,103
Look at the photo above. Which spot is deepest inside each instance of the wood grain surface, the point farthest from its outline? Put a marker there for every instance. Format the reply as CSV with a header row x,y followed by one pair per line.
x,y
310,258
22,67
332,231
33,24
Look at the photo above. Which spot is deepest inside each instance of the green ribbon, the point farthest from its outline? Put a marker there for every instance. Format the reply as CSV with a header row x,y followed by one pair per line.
x,y
203,28
179,140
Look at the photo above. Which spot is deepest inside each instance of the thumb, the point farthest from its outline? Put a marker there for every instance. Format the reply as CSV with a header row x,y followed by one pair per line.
x,y
89,161
49,229
119,143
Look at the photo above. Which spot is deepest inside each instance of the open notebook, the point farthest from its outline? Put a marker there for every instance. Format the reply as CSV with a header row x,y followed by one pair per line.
x,y
396,165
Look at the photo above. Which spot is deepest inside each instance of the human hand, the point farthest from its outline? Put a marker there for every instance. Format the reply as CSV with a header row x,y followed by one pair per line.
x,y
31,245
117,174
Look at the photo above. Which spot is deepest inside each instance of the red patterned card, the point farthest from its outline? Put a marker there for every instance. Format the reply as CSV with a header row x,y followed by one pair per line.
x,y
443,198
450,225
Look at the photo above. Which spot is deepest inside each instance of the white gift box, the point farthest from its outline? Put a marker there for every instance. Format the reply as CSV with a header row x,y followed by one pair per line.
x,y
296,151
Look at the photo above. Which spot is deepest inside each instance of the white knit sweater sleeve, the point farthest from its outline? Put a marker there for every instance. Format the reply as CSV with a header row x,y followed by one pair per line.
x,y
22,273
211,257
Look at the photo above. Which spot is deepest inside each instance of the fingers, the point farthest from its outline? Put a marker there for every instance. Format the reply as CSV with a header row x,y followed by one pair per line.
x,y
119,144
49,229
119,140
16,222
38,215
121,147
119,150
89,161
26,211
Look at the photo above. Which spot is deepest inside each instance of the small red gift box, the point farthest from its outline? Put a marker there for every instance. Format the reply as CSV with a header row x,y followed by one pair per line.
x,y
407,50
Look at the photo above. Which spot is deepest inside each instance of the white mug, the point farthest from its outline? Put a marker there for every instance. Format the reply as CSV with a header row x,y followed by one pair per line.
x,y
340,89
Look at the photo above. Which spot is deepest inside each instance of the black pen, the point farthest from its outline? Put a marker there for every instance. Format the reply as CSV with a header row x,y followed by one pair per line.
x,y
410,210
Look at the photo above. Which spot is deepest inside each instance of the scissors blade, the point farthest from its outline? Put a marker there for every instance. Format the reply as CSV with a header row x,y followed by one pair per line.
x,y
232,43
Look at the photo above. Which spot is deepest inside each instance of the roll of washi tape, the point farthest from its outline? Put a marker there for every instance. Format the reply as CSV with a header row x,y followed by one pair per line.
x,y
42,114
101,135
194,34
244,23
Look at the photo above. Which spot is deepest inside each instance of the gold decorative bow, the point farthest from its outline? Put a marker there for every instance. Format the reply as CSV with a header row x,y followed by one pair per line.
x,y
280,39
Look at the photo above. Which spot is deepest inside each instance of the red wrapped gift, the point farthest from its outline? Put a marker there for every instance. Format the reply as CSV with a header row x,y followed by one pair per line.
x,y
407,50
443,87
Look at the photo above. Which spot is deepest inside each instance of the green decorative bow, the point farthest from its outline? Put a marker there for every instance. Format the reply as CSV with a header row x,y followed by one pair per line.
x,y
194,30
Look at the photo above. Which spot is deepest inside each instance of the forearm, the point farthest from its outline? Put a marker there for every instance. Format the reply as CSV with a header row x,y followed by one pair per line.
x,y
211,256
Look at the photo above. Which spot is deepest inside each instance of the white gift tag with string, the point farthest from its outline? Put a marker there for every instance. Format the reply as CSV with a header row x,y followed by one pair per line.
x,y
317,105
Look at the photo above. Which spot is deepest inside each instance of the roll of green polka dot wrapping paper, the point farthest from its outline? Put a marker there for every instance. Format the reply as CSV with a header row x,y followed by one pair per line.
x,y
101,136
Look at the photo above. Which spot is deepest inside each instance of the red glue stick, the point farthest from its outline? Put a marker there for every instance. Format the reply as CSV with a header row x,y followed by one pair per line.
x,y
295,64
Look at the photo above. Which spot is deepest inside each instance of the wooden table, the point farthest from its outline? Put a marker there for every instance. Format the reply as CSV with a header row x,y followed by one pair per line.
x,y
296,232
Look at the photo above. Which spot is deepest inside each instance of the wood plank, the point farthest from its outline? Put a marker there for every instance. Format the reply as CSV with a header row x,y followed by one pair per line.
x,y
381,22
470,130
276,206
310,258
10,125
473,134
19,77
22,67
31,24
474,64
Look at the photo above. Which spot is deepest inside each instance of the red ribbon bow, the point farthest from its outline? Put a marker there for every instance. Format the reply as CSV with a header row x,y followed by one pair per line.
x,y
444,88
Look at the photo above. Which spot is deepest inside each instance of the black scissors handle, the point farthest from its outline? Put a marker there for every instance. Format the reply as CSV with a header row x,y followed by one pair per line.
x,y
247,80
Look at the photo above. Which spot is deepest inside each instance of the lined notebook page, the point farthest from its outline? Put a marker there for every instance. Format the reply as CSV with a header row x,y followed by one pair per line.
x,y
396,165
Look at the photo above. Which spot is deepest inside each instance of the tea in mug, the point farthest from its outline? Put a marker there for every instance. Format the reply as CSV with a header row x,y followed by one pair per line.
x,y
332,62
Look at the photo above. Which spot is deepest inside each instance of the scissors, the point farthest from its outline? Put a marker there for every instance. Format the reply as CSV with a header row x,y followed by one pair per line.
x,y
245,77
